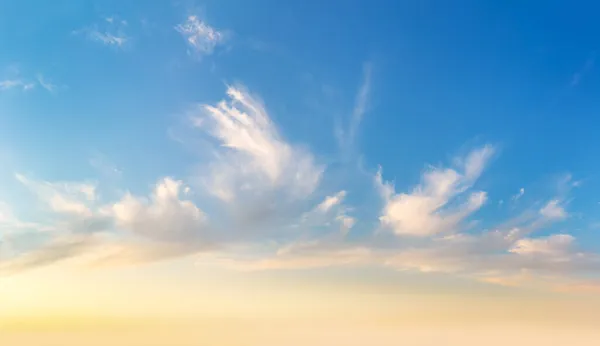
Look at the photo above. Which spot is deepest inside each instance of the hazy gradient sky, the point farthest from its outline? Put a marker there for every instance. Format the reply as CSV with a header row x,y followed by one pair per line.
x,y
292,172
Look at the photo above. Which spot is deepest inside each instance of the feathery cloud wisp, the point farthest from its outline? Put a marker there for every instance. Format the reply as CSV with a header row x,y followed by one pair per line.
x,y
428,210
252,158
200,37
44,83
16,83
109,32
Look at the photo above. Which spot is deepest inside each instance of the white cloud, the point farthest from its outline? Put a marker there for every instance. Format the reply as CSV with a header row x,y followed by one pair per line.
x,y
44,83
495,257
16,83
330,210
476,161
141,230
519,194
165,217
107,38
347,222
331,201
62,197
554,245
200,37
253,168
553,210
428,209
109,32
252,157
507,254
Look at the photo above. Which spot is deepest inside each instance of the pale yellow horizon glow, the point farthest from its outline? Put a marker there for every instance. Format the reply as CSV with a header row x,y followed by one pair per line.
x,y
154,299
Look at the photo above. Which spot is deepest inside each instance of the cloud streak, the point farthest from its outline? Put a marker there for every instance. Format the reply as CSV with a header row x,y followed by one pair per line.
x,y
109,32
8,84
16,82
347,137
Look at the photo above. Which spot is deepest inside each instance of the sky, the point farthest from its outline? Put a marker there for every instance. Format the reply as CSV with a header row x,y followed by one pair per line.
x,y
332,173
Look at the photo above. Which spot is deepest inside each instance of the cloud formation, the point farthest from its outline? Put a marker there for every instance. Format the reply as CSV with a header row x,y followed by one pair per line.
x,y
252,165
431,237
518,195
16,84
432,206
331,210
553,210
200,37
251,157
109,32
165,217
554,245
262,193
347,137
62,197
46,84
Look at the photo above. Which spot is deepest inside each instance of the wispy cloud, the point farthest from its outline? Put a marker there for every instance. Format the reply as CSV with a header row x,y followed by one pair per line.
x,y
19,81
346,137
554,245
200,37
519,194
329,211
27,85
62,197
16,84
46,84
109,32
427,210
331,201
554,210
252,158
585,69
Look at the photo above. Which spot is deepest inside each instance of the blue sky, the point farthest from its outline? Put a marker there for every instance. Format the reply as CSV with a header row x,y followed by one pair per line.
x,y
479,116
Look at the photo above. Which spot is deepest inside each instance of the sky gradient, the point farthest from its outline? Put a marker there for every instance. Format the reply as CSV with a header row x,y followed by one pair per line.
x,y
338,173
